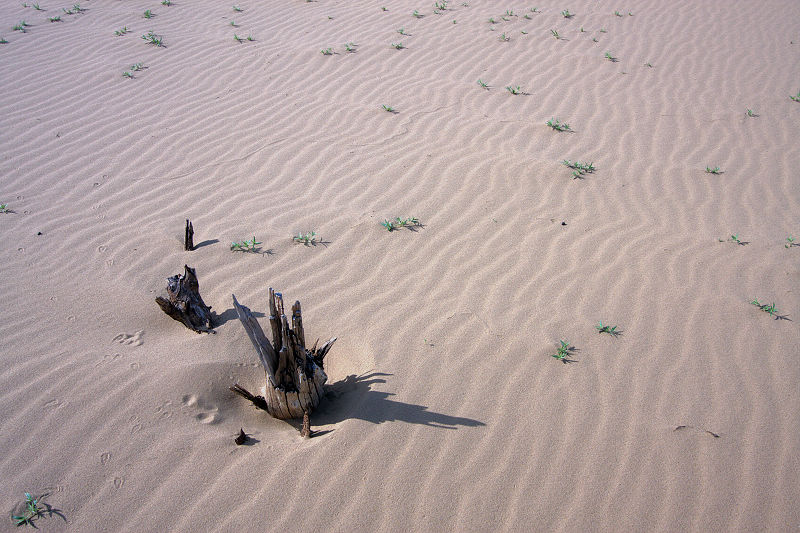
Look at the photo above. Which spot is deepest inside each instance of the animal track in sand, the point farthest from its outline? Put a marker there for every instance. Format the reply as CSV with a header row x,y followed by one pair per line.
x,y
105,457
54,403
205,412
119,482
107,358
130,340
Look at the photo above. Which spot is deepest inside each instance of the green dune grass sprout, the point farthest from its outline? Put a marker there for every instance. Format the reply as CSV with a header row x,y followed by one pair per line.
x,y
151,38
148,14
326,51
789,240
556,125
563,351
611,330
245,246
32,512
123,31
555,34
398,46
582,168
766,308
566,14
307,238
514,89
483,84
397,223
57,18
4,208
237,9
796,98
714,170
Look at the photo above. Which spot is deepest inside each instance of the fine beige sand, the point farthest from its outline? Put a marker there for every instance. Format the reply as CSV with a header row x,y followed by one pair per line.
x,y
445,410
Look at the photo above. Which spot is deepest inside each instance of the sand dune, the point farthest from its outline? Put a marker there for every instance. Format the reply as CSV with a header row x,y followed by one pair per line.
x,y
445,411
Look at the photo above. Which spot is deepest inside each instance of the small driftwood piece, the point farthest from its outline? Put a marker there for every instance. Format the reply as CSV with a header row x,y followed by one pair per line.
x,y
188,239
183,302
294,374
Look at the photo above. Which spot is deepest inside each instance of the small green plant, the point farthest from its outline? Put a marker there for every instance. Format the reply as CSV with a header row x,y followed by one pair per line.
x,y
3,40
57,18
233,24
526,16
66,11
397,223
327,51
440,5
388,109
166,3
32,511
714,170
4,208
510,13
241,39
582,30
610,57
789,241
534,10
751,113
417,14
766,308
492,21
398,46
350,47
735,239
401,31
556,125
555,34
582,168
237,9
603,30
796,98
250,38
594,39
77,8
514,90
148,14
648,65
384,9
245,246
567,15
37,7
617,13
127,74
563,351
503,37
483,84
123,31
20,26
136,67
151,38
306,238
611,330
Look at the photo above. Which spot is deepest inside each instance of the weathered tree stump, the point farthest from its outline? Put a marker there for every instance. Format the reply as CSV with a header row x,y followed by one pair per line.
x,y
294,374
184,304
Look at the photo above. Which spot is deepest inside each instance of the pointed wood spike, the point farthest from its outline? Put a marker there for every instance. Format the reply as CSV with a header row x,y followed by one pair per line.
x,y
188,240
274,322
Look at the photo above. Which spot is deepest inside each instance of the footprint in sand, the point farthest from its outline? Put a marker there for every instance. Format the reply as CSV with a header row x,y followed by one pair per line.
x,y
105,457
204,412
130,340
119,482
107,358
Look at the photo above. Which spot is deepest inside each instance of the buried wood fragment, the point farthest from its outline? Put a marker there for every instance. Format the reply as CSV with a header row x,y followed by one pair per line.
x,y
183,302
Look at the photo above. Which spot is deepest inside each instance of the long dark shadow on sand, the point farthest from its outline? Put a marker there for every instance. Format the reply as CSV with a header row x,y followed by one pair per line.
x,y
353,397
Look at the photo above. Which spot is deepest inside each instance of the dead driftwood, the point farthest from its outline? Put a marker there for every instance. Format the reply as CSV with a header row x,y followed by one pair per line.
x,y
183,302
294,374
188,238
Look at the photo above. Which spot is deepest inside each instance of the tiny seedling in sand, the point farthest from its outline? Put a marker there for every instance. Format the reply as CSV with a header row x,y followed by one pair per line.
x,y
123,31
556,125
766,308
148,14
492,21
735,239
610,57
594,39
3,40
77,8
555,34
245,246
751,113
127,74
32,511
603,30
510,13
617,13
327,51
504,37
398,46
417,14
582,168
611,330
151,38
166,3
526,16
401,31
57,18
240,39
789,240
389,109
567,14
250,38
136,67
384,9
350,47
483,84
306,238
582,30
37,7
4,209
397,223
648,65
523,32
796,98
563,351
534,10
514,90
21,26
237,9
714,170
